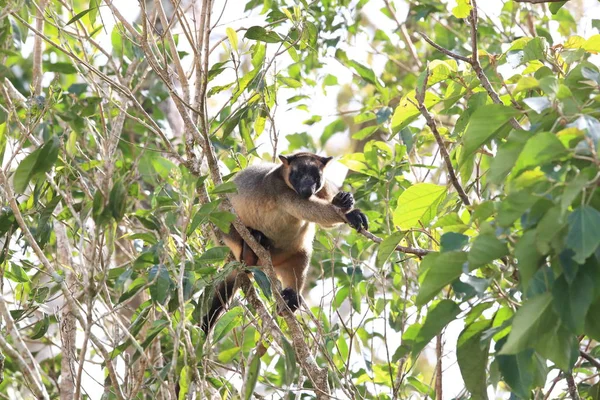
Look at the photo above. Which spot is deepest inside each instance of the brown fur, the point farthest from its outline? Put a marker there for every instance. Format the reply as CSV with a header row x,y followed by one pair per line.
x,y
266,201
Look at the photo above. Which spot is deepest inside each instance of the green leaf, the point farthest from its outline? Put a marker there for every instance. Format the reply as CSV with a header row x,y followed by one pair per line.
x,y
185,377
263,282
485,123
251,377
365,72
160,290
17,274
117,201
584,232
486,248
438,316
157,328
574,187
438,270
227,322
472,358
418,204
225,187
214,255
507,156
521,371
533,319
40,328
93,7
571,301
453,241
528,257
592,322
539,150
78,16
233,39
62,67
462,9
36,164
592,45
262,35
387,247
554,7
407,112
559,346
291,365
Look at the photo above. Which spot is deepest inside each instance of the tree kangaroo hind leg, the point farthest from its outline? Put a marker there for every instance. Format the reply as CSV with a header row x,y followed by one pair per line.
x,y
226,289
291,271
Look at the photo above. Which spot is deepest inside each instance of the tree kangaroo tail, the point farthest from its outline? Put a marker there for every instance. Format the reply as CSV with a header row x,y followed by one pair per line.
x,y
224,293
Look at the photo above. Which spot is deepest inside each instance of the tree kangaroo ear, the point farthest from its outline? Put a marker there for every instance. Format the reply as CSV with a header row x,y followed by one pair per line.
x,y
325,160
284,160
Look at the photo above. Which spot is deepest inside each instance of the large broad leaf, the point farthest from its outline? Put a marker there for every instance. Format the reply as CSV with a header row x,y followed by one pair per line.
x,y
214,255
36,164
251,377
539,150
407,111
418,205
387,247
528,257
160,289
261,34
584,232
534,318
522,372
416,338
486,248
438,270
507,156
592,322
227,322
571,301
472,358
559,346
484,124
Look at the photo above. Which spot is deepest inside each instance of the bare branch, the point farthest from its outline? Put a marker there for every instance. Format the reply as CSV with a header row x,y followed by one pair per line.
x,y
590,359
402,28
477,66
38,47
438,138
443,50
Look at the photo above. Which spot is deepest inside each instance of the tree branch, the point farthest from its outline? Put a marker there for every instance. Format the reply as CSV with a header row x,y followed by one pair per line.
x,y
590,359
477,66
408,250
404,33
420,96
443,50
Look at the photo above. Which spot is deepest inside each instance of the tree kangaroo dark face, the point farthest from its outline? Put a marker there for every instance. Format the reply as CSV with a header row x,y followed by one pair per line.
x,y
303,173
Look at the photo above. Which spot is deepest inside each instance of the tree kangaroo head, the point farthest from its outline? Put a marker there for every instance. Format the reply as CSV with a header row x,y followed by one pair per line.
x,y
303,172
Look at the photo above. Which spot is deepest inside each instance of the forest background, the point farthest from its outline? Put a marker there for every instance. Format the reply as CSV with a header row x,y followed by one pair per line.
x,y
468,133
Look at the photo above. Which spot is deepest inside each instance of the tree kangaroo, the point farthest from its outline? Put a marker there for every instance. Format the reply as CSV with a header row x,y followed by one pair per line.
x,y
281,204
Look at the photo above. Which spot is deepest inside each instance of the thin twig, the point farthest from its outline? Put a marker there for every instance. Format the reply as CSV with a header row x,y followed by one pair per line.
x,y
443,50
420,96
477,65
408,250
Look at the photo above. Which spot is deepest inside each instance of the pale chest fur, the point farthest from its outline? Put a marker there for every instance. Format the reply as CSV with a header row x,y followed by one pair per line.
x,y
285,231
